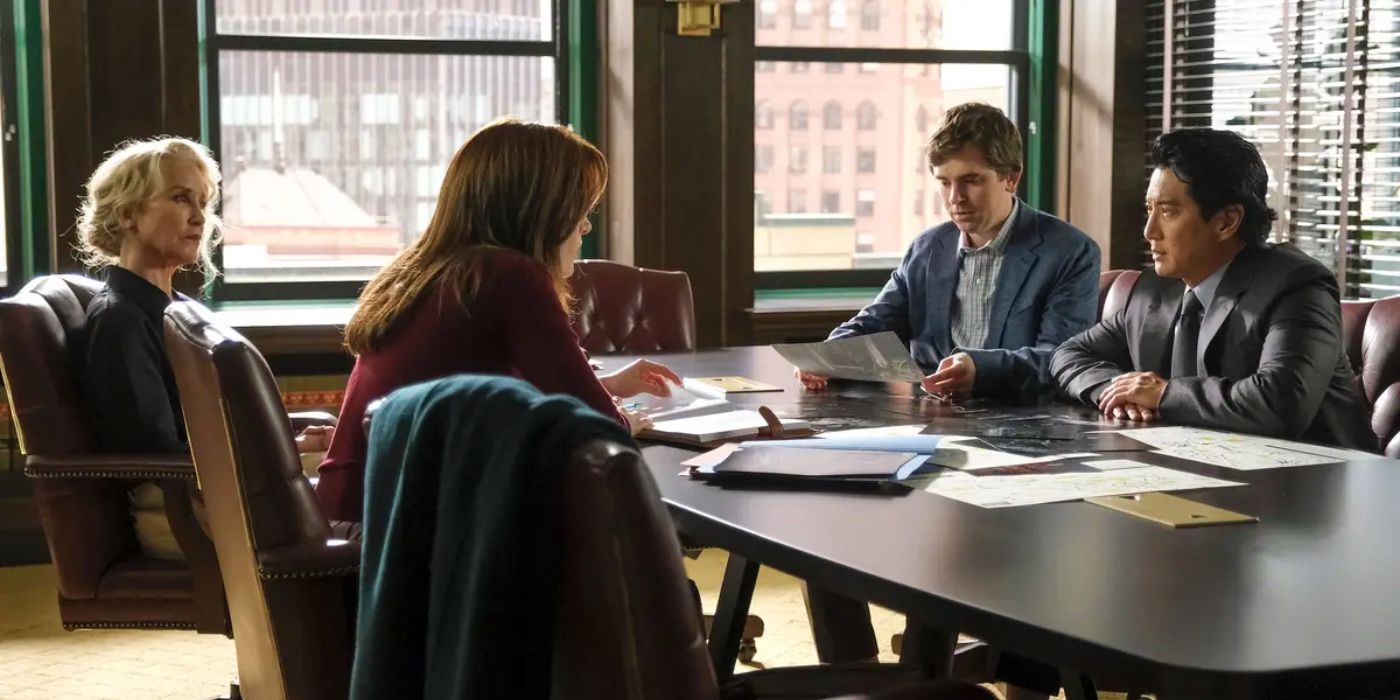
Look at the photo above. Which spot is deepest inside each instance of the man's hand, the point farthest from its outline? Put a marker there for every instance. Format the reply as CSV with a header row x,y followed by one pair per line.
x,y
1133,396
810,382
953,378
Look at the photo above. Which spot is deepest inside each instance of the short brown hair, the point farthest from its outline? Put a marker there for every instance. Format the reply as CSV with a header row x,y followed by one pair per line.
x,y
981,125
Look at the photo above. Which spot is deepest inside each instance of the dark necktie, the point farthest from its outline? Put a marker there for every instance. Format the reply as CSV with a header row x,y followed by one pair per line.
x,y
1188,330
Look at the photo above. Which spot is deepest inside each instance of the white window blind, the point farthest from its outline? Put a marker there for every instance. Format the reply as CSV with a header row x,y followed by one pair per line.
x,y
1315,84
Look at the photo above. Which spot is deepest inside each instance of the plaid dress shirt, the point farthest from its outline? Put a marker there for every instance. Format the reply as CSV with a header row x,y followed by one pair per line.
x,y
978,269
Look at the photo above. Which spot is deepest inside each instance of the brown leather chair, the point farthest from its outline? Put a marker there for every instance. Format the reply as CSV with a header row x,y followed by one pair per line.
x,y
1114,288
285,571
626,622
1371,330
104,581
632,310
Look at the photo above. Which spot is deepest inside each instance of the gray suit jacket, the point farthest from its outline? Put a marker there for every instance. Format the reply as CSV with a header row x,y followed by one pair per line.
x,y
1273,351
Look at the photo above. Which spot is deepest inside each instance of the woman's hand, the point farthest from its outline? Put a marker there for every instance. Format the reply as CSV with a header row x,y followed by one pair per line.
x,y
637,421
315,438
638,377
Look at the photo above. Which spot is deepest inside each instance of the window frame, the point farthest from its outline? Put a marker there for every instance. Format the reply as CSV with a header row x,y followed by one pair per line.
x,y
17,272
1017,59
557,47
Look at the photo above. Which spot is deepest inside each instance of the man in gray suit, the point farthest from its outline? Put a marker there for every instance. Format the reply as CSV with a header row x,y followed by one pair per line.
x,y
1227,331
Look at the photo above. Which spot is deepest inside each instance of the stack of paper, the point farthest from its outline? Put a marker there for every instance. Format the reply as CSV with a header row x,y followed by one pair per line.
x,y
1236,451
1006,491
880,357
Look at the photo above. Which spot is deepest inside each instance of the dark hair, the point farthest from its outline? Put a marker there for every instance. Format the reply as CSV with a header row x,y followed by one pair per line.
x,y
980,125
1219,169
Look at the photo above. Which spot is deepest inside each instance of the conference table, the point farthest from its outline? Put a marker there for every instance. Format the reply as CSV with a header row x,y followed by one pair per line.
x,y
1300,604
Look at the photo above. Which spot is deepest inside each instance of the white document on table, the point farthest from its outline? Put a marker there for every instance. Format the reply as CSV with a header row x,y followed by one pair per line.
x,y
1033,489
1237,451
954,452
879,357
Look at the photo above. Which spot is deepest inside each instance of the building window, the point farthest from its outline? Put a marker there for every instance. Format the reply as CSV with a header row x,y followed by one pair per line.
x,y
918,202
865,242
762,159
768,14
865,203
865,160
761,207
321,144
870,16
797,200
831,202
831,115
921,120
801,67
797,159
836,14
869,67
797,116
834,67
831,160
763,115
865,116
765,66
802,14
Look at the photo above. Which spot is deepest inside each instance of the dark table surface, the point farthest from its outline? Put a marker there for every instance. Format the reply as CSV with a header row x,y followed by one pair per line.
x,y
1300,604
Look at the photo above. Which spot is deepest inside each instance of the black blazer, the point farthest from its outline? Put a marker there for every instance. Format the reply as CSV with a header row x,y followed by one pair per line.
x,y
1273,351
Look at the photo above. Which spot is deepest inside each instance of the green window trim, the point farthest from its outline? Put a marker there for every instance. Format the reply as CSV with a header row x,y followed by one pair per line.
x,y
35,255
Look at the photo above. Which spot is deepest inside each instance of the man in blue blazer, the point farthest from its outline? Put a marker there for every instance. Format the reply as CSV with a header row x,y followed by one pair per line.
x,y
982,301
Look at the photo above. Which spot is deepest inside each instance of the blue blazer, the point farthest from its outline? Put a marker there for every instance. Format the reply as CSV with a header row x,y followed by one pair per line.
x,y
1046,293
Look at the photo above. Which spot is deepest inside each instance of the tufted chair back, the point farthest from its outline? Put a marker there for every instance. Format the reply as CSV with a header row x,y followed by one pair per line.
x,y
632,310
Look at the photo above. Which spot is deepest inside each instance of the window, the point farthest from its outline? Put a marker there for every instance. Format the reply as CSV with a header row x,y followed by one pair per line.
x,y
763,159
865,203
879,114
797,159
763,115
1322,110
802,14
865,116
797,116
833,67
324,121
767,14
11,243
836,14
870,16
831,115
831,202
797,201
831,160
765,66
865,160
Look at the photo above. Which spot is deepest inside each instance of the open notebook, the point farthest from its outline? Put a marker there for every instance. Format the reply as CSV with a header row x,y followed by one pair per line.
x,y
705,421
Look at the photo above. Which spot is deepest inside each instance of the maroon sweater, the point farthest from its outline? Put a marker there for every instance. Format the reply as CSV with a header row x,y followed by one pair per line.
x,y
513,326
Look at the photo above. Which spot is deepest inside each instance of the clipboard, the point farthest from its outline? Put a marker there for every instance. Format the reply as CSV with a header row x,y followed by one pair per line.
x,y
1172,511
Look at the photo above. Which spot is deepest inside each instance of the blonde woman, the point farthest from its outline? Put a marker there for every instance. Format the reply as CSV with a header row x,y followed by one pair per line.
x,y
484,290
148,212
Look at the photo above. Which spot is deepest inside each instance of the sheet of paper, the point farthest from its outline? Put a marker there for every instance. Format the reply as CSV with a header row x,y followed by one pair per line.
x,y
884,430
709,460
1236,451
1111,464
958,453
1007,491
880,357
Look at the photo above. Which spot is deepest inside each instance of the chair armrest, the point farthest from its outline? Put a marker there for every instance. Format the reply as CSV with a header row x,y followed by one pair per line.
x,y
330,559
302,420
109,466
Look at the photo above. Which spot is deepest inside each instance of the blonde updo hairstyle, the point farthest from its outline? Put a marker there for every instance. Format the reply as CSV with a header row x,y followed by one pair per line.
x,y
129,176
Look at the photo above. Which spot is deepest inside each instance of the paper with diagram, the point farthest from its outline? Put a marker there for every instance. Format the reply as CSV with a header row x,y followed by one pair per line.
x,y
1236,451
880,357
1033,489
